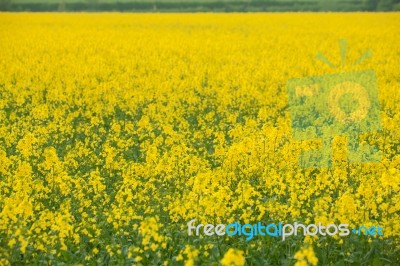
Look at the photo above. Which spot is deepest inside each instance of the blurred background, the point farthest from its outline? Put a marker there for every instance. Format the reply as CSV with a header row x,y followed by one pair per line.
x,y
199,5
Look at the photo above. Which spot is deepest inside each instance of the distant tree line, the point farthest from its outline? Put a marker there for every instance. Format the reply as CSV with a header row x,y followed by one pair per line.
x,y
198,6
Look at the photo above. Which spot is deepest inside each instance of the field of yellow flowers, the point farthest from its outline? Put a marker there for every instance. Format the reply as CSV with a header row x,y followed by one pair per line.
x,y
118,129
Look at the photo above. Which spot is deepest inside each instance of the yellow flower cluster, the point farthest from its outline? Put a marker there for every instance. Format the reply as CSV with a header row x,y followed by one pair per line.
x,y
233,257
118,129
306,256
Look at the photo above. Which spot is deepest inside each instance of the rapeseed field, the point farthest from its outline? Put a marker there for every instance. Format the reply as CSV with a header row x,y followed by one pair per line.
x,y
116,130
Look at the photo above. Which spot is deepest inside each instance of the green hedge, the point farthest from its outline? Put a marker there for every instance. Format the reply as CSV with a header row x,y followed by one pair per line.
x,y
198,6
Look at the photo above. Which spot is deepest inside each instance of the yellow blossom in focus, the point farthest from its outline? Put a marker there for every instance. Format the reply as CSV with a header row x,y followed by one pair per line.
x,y
233,257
